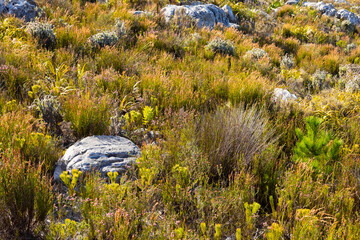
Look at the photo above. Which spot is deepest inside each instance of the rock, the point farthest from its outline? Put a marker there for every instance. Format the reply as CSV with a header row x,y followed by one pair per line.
x,y
230,14
283,96
344,14
139,13
328,9
292,2
101,153
142,13
341,2
204,15
26,9
350,77
2,6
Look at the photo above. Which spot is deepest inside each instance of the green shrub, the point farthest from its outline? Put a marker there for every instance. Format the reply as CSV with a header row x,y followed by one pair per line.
x,y
318,147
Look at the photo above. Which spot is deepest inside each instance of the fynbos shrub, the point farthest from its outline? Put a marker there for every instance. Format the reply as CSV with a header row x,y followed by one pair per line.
x,y
256,54
103,39
120,28
25,198
43,32
221,46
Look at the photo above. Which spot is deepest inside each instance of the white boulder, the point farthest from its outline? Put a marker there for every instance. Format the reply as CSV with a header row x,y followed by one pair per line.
x,y
99,153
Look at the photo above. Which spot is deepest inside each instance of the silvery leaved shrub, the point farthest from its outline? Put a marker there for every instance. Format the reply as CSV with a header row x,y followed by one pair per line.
x,y
256,54
221,46
43,32
120,28
287,62
103,39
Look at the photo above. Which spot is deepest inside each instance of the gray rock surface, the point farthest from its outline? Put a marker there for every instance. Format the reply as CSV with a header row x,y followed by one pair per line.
x,y
344,14
292,2
230,14
341,2
329,9
2,6
283,96
26,9
204,15
100,153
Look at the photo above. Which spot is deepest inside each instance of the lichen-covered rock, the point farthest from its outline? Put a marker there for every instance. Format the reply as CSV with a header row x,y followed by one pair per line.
x,y
204,15
99,153
283,96
26,9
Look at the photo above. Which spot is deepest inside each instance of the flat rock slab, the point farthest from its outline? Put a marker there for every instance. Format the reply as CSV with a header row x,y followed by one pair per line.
x,y
99,153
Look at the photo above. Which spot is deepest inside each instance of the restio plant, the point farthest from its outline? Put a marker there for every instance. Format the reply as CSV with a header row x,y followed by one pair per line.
x,y
25,198
233,137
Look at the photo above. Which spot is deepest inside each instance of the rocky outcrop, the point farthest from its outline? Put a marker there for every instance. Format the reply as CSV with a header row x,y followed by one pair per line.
x,y
25,9
329,9
283,96
204,15
99,153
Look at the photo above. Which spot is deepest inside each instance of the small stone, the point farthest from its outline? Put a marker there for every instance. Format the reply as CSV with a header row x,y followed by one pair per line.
x,y
292,2
283,96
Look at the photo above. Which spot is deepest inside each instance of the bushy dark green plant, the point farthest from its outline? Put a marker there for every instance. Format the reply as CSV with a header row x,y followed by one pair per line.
x,y
25,198
318,147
